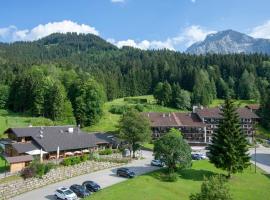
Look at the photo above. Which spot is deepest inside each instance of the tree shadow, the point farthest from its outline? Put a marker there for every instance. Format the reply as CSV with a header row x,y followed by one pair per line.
x,y
188,174
195,174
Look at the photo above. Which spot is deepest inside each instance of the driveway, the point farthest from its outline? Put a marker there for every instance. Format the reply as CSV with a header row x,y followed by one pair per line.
x,y
105,178
262,158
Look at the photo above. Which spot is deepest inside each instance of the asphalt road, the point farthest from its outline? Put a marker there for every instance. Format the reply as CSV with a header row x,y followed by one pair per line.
x,y
104,178
262,158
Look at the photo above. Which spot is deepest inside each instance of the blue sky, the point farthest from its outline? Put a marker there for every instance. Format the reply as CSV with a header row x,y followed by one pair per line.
x,y
173,24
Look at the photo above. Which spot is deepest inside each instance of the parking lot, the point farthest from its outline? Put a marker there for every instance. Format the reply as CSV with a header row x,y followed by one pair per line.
x,y
104,178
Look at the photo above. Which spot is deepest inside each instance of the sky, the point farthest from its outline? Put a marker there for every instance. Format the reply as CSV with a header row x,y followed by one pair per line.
x,y
144,24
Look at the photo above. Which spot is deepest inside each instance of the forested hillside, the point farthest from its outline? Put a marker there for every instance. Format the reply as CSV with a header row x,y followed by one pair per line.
x,y
72,70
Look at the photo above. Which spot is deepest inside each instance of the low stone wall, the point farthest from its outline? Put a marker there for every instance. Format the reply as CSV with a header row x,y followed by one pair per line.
x,y
8,190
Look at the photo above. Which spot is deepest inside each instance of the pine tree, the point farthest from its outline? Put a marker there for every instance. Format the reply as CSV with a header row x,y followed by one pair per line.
x,y
228,149
265,110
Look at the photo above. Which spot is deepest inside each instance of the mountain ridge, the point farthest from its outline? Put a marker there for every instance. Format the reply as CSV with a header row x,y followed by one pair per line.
x,y
230,41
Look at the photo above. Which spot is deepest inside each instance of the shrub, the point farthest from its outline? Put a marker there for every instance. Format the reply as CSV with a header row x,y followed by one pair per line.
x,y
66,161
170,177
49,166
139,107
28,172
116,109
135,100
75,160
213,188
40,169
84,157
105,152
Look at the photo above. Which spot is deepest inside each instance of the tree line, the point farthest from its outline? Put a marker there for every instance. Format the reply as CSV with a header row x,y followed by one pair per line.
x,y
131,72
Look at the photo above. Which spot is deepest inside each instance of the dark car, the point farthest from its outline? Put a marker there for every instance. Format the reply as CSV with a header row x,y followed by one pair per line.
x,y
80,190
196,156
91,186
125,172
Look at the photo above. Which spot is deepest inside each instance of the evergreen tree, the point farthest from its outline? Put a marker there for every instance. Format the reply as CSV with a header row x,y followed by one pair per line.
x,y
247,87
228,149
203,91
158,93
265,109
88,98
180,98
4,93
163,93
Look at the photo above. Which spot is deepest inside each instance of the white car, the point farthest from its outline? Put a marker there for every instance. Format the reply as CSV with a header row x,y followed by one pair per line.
x,y
65,193
157,163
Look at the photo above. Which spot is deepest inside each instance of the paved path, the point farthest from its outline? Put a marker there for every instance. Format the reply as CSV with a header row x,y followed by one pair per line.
x,y
105,178
262,158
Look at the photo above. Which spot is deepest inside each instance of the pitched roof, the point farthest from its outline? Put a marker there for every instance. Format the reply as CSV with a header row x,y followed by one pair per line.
x,y
173,119
161,119
18,159
66,137
189,119
24,147
216,113
253,106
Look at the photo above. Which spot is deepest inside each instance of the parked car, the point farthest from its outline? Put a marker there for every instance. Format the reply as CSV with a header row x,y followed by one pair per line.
x,y
91,186
157,163
198,156
65,193
125,172
80,190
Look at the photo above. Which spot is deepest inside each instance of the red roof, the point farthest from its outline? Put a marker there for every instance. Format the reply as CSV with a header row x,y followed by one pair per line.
x,y
253,106
243,113
173,119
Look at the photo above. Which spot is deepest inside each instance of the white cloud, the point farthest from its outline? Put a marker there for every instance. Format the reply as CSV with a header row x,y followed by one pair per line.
x,y
11,33
117,1
187,37
261,31
193,1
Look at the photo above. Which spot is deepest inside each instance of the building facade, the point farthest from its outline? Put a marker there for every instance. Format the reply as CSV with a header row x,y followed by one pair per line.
x,y
199,125
49,143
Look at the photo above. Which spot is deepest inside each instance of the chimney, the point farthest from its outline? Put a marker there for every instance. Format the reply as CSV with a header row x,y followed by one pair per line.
x,y
194,109
41,134
70,130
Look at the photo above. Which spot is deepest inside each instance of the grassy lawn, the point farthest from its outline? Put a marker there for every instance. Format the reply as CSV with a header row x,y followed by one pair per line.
x,y
239,103
245,186
3,168
9,119
109,121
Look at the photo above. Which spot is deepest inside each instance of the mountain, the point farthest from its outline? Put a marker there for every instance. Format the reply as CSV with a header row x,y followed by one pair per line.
x,y
230,41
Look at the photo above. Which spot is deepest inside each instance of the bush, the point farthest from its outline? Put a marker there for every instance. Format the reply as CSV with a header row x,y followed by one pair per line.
x,y
135,100
66,161
28,172
139,107
40,169
37,169
84,157
213,188
105,152
49,166
116,109
170,177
